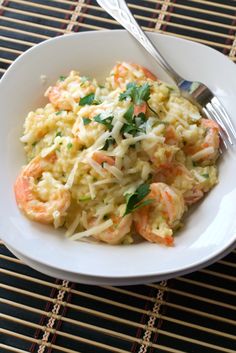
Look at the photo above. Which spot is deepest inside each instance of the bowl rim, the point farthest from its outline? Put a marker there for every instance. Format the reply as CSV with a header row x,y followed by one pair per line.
x,y
187,268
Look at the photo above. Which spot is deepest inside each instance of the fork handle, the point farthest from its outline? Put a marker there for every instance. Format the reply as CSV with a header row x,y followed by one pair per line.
x,y
119,10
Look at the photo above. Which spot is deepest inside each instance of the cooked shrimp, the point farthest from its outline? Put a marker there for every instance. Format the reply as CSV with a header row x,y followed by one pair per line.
x,y
207,151
64,95
178,176
192,196
114,235
156,221
88,134
171,137
124,72
28,199
59,98
100,158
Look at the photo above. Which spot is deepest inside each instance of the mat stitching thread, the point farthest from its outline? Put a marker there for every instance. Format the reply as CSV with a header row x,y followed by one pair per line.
x,y
152,319
43,318
143,319
76,13
168,17
164,8
63,314
51,321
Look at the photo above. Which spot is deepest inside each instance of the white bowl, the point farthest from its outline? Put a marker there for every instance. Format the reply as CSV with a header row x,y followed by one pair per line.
x,y
210,230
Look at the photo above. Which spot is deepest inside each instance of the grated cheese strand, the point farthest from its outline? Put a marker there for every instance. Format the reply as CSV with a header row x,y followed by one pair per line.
x,y
93,230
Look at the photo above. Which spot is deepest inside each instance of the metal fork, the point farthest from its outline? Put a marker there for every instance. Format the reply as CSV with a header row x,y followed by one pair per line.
x,y
194,91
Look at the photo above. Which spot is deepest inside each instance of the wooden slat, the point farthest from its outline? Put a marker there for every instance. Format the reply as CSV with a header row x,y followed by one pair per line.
x,y
33,24
215,4
12,349
227,263
196,297
65,335
194,9
6,61
17,41
115,318
11,259
142,326
219,274
196,342
37,341
206,285
30,279
25,33
42,6
10,50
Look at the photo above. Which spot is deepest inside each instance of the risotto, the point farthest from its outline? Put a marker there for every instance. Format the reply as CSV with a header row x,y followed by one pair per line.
x,y
113,161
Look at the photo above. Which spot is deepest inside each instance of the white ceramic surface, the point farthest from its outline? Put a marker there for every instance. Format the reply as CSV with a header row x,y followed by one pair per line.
x,y
210,230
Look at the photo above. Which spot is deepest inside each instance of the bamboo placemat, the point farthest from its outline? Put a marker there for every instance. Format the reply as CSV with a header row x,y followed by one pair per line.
x,y
191,314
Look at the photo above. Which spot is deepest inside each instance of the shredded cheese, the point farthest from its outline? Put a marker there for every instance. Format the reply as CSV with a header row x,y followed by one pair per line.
x,y
93,230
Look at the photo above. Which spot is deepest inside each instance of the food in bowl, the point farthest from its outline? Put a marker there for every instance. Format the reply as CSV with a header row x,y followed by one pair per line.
x,y
114,161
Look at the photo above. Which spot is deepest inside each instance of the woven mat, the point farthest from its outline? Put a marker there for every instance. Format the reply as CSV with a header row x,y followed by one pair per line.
x,y
191,314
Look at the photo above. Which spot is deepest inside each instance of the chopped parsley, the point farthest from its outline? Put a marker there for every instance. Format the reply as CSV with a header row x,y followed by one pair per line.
x,y
59,134
97,102
86,121
134,200
85,198
206,175
129,114
69,145
134,123
34,143
171,88
87,100
59,112
138,94
84,78
109,142
62,78
105,121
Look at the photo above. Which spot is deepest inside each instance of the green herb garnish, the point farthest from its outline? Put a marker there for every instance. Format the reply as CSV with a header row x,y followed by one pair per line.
x,y
109,142
97,102
129,114
62,78
134,200
34,143
69,145
59,112
85,198
87,100
84,78
59,134
206,175
105,121
86,121
133,122
138,94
